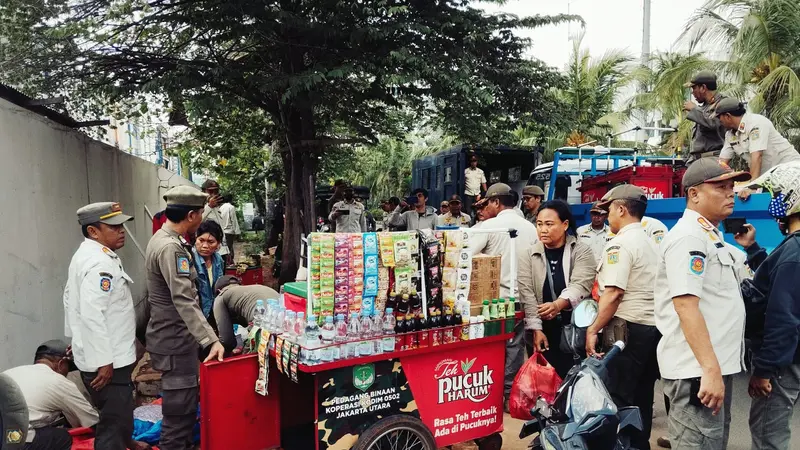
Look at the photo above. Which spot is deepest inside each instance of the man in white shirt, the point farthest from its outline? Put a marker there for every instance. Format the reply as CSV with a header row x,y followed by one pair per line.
x,y
754,138
230,224
595,234
499,214
699,310
474,180
212,211
100,318
51,398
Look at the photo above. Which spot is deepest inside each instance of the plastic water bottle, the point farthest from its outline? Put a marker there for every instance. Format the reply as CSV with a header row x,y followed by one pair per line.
x,y
328,334
366,335
280,318
312,340
259,313
388,331
281,298
270,320
340,350
377,331
288,326
300,328
353,333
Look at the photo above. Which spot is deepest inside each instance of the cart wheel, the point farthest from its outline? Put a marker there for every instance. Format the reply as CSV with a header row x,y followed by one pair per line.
x,y
491,442
397,432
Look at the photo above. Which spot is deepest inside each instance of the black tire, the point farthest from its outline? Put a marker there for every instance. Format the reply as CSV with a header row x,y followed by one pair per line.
x,y
400,427
491,442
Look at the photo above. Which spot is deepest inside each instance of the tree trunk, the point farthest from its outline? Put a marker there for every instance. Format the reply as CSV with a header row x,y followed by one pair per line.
x,y
300,167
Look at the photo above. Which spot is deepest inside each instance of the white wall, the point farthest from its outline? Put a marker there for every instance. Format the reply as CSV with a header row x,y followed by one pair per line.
x,y
47,172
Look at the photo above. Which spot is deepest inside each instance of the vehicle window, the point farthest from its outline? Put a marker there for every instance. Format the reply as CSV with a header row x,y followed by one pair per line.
x,y
494,176
448,174
514,174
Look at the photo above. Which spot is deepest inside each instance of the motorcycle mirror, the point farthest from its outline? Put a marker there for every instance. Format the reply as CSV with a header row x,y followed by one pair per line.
x,y
585,313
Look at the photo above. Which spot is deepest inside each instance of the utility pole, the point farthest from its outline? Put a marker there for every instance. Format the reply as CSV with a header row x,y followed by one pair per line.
x,y
641,135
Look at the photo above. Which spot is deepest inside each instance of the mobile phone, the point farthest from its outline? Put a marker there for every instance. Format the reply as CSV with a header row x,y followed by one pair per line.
x,y
411,200
735,225
344,212
694,389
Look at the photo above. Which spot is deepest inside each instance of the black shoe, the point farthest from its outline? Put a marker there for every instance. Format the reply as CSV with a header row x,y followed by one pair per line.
x,y
663,442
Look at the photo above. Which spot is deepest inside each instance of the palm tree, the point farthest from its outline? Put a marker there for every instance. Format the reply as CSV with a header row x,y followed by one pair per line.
x,y
592,88
664,93
761,39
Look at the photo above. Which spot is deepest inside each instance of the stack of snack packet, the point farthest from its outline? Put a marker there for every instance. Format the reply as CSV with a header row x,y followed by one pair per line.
x,y
327,275
356,263
371,282
343,292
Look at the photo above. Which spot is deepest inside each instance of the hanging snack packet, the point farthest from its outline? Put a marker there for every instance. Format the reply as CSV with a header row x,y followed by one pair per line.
x,y
449,278
371,286
368,305
370,244
293,357
402,279
402,252
386,248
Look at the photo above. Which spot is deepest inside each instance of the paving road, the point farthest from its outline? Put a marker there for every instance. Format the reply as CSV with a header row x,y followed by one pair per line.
x,y
740,431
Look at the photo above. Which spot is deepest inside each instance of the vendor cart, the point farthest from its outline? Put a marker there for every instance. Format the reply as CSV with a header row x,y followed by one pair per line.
x,y
423,397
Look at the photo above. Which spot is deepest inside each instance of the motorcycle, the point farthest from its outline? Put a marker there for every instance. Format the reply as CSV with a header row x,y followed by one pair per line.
x,y
583,416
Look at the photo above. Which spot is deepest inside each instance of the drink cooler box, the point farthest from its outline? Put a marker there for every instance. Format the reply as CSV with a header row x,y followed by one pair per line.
x,y
457,394
658,182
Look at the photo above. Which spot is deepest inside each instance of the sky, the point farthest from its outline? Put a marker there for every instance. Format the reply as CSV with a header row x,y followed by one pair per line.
x,y
610,24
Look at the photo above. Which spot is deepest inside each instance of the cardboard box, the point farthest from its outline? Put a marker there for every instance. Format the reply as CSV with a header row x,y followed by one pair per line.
x,y
484,279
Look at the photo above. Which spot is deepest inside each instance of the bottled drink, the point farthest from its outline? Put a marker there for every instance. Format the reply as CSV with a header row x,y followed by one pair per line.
x,y
388,331
280,318
281,298
404,304
288,326
493,324
366,346
377,331
312,340
448,326
465,328
457,325
340,338
510,315
391,301
412,339
415,302
436,329
473,327
300,328
481,329
399,329
272,313
353,333
422,331
327,335
258,314
485,312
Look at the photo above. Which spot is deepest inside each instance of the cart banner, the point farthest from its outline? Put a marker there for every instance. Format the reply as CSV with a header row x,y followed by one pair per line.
x,y
459,393
352,399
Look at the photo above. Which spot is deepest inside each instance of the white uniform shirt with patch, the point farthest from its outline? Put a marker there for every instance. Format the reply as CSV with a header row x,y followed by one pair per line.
x,y
756,133
353,222
98,309
627,263
447,220
653,228
473,179
596,239
695,260
50,395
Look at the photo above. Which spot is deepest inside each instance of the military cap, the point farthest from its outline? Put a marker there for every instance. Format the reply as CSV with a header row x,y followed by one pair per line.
x,y
710,170
533,190
444,203
596,208
455,199
109,213
57,348
499,190
728,105
622,192
185,196
702,77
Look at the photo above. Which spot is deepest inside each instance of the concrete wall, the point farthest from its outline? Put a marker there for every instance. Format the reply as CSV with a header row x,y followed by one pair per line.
x,y
47,172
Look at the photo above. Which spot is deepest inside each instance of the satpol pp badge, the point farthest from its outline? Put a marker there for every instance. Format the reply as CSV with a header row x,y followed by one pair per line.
x,y
182,264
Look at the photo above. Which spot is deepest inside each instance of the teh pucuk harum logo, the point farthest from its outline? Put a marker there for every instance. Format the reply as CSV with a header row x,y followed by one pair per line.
x,y
456,382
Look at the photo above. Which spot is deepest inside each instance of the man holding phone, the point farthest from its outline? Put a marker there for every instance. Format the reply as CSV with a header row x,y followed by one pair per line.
x,y
414,213
699,310
348,214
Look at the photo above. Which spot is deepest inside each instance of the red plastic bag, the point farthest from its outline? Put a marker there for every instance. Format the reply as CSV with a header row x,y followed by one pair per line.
x,y
536,378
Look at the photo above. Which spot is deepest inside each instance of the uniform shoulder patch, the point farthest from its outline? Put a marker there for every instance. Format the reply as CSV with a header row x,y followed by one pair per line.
x,y
105,284
697,262
612,256
755,133
182,264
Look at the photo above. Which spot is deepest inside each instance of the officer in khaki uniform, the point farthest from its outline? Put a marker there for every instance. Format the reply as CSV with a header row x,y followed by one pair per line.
x,y
349,215
177,328
699,310
625,279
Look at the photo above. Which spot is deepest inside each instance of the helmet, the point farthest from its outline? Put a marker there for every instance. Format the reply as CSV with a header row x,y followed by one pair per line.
x,y
783,183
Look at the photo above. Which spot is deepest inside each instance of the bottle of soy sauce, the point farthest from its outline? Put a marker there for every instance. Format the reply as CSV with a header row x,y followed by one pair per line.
x,y
412,340
421,326
399,330
436,328
391,301
415,302
405,302
447,323
457,330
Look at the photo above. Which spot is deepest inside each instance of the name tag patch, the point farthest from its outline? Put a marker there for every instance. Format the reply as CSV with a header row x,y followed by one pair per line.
x,y
105,284
182,264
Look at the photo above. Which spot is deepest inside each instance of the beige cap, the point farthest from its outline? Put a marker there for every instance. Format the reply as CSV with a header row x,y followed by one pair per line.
x,y
499,190
533,190
702,77
185,196
711,170
622,192
596,208
109,213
